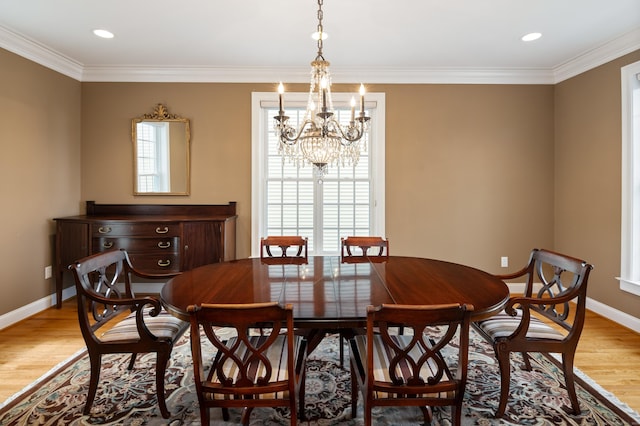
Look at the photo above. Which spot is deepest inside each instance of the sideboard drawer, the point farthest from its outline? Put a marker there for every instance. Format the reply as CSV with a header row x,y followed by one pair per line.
x,y
164,229
158,263
132,245
159,238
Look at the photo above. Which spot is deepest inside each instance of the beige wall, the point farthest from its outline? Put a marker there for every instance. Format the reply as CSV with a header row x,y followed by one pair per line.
x,y
39,172
456,158
467,166
473,172
588,177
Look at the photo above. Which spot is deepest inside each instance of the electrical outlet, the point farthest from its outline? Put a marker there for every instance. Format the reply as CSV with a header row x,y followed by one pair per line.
x,y
48,272
504,261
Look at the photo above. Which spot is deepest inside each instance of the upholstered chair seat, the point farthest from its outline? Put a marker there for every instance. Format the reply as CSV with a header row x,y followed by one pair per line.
x,y
502,326
164,326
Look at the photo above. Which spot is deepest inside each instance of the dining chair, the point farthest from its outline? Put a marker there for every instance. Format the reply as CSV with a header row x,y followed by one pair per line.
x,y
351,245
133,324
247,370
412,369
356,250
283,243
547,318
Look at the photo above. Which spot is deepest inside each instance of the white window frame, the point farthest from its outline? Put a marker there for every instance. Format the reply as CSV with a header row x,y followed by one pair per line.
x,y
630,220
258,152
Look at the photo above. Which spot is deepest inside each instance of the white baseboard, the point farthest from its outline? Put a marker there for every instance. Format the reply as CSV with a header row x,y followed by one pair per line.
x,y
147,288
516,288
622,318
40,305
33,308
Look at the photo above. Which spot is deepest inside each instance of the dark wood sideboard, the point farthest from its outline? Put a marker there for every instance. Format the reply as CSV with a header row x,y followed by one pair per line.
x,y
159,238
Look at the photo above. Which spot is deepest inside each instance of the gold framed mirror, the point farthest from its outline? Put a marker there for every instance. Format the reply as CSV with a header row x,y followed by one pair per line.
x,y
161,153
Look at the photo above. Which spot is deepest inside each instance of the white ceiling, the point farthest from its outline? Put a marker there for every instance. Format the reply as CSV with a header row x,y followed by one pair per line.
x,y
375,41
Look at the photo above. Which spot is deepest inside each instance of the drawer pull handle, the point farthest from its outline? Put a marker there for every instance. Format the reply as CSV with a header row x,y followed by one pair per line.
x,y
164,244
164,263
107,244
104,229
162,230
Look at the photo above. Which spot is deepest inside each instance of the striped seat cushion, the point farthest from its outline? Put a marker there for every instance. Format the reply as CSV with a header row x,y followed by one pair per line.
x,y
163,325
276,354
381,360
503,325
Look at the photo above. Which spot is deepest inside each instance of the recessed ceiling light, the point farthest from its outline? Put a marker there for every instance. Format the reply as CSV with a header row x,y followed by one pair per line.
x,y
103,33
531,36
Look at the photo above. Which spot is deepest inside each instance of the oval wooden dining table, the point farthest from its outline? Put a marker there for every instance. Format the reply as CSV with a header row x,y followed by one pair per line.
x,y
331,294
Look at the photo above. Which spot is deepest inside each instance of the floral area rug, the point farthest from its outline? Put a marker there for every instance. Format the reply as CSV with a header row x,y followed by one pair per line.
x,y
128,397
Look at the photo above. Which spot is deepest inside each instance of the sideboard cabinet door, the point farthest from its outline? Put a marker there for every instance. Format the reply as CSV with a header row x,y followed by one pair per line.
x,y
201,244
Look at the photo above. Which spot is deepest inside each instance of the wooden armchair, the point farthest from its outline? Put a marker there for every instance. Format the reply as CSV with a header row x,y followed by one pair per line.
x,y
249,370
104,295
283,243
364,244
410,370
548,318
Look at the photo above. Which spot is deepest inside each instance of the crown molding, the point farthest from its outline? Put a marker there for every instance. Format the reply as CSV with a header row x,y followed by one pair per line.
x,y
56,61
193,74
40,54
445,76
614,49
301,75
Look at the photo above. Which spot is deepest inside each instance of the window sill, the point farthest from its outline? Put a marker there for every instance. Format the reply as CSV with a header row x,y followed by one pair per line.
x,y
629,286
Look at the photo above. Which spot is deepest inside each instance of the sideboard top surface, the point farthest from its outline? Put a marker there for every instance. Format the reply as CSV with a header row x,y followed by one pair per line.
x,y
155,212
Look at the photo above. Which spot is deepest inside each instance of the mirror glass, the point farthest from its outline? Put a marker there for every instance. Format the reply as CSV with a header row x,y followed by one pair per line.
x,y
161,153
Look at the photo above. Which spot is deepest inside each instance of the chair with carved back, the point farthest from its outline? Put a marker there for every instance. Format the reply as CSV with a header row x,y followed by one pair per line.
x,y
354,247
283,243
247,370
412,369
358,249
133,324
276,250
547,318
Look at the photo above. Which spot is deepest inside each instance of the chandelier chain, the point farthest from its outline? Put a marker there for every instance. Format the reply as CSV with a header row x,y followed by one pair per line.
x,y
320,30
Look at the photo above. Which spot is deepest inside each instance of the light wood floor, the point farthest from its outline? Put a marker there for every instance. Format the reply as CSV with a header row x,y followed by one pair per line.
x,y
608,353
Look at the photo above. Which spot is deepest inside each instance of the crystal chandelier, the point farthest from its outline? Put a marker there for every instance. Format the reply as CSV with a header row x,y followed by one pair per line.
x,y
320,139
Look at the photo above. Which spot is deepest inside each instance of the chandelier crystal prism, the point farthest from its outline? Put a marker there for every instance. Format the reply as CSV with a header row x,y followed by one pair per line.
x,y
320,139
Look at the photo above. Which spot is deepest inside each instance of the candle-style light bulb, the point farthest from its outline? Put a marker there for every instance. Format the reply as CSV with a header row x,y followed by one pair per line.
x,y
312,107
323,93
361,99
280,93
353,108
